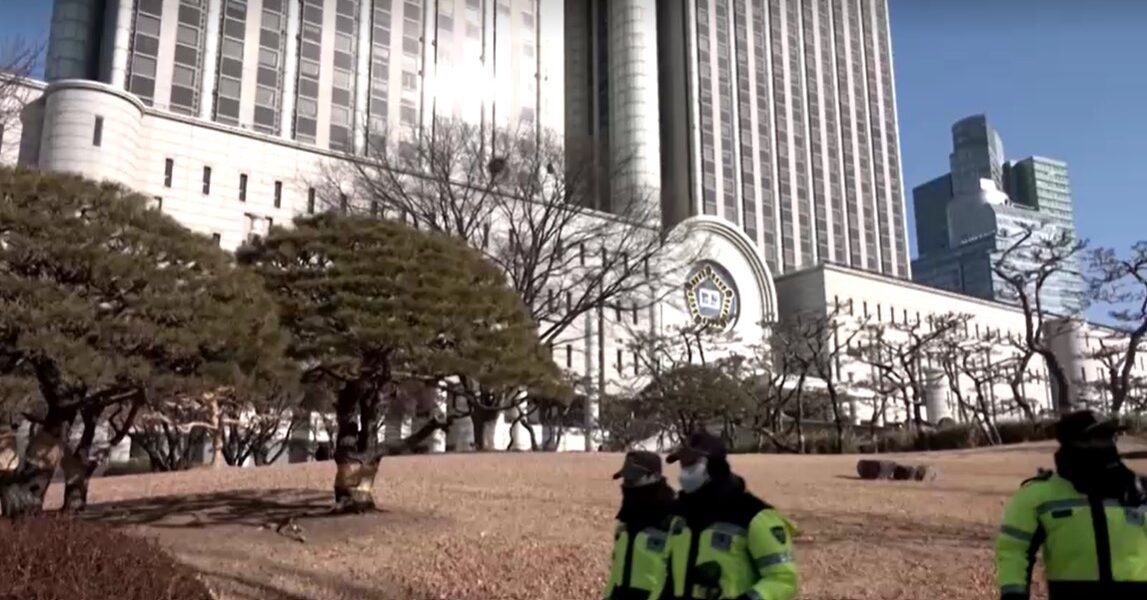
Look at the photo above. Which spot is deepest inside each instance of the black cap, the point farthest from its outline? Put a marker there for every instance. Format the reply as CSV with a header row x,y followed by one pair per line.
x,y
639,464
1084,426
700,444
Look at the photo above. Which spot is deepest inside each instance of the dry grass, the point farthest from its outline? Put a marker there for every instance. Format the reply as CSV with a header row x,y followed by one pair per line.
x,y
536,526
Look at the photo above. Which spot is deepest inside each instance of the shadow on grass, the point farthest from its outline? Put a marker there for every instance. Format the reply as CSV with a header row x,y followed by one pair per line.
x,y
241,576
883,529
240,507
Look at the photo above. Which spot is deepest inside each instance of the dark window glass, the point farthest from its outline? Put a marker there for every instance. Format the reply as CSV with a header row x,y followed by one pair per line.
x,y
185,55
168,172
98,132
182,96
311,201
206,180
146,44
242,187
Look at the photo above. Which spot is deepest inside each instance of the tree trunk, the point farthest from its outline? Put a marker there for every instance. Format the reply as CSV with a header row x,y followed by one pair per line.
x,y
800,423
356,448
22,492
9,456
354,482
80,464
837,419
484,421
217,433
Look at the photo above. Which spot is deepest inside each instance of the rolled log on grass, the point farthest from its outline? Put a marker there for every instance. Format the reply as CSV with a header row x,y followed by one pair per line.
x,y
875,469
903,472
926,473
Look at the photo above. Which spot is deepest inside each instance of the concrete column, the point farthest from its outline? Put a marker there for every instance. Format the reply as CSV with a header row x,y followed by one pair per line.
x,y
935,396
461,434
396,422
211,58
438,440
122,43
74,41
362,76
1063,336
519,438
591,398
290,71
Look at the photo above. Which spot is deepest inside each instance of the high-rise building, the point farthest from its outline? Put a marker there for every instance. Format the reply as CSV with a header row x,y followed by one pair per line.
x,y
1042,183
977,153
778,116
317,72
967,218
227,111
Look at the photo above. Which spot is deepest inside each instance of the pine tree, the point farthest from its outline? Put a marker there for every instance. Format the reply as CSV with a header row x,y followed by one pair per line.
x,y
373,304
110,306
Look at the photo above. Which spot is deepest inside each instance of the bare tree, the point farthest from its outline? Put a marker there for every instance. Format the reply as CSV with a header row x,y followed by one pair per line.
x,y
517,196
18,60
687,384
896,351
819,342
1120,284
1029,262
961,359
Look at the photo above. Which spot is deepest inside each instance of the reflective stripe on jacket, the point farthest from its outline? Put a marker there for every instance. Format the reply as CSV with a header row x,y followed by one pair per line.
x,y
1092,548
729,561
639,569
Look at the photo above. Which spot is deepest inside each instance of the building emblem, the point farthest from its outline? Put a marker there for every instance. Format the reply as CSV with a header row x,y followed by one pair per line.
x,y
711,296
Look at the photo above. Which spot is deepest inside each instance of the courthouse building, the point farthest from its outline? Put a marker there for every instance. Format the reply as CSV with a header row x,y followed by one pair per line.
x,y
769,127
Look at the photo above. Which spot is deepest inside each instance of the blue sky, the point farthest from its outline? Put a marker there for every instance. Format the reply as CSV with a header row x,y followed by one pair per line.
x,y
1058,78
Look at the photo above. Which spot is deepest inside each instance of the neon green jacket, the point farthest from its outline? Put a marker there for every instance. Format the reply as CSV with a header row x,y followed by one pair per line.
x,y
1092,548
640,569
735,546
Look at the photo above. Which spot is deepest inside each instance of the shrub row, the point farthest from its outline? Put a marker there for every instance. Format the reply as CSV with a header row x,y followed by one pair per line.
x,y
59,558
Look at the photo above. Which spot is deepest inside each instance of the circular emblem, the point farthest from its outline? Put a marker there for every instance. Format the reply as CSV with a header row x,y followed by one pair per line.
x,y
711,296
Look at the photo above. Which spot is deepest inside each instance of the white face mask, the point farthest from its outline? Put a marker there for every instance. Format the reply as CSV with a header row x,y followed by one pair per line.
x,y
694,476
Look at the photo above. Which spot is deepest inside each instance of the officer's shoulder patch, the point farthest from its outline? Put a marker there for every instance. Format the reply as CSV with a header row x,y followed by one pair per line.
x,y
1042,475
779,533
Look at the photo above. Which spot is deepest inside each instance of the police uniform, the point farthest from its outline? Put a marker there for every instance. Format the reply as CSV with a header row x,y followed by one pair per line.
x,y
726,543
1089,517
639,568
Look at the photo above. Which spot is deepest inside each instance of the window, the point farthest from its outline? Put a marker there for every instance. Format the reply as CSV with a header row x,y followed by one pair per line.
x,y
311,201
635,314
278,194
98,132
242,187
216,238
206,180
620,360
343,202
569,355
168,172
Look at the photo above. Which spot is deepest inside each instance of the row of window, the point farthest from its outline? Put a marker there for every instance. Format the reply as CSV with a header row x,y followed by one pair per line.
x,y
169,176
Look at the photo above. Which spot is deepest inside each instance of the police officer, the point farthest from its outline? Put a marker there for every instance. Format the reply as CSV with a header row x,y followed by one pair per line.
x,y
640,549
1088,515
725,543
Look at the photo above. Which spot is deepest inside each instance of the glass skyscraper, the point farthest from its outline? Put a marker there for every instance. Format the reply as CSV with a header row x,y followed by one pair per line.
x,y
778,116
965,219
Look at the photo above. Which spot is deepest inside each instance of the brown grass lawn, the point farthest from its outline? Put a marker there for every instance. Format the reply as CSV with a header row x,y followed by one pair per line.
x,y
539,526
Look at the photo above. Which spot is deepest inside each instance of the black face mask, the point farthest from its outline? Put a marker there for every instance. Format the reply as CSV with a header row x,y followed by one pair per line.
x,y
646,504
1094,471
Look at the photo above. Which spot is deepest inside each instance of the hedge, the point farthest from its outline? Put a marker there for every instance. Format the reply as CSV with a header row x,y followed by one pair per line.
x,y
60,558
